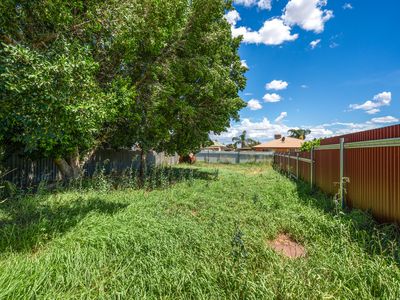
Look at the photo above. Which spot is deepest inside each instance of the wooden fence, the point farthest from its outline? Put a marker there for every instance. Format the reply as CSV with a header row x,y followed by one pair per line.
x,y
25,172
363,168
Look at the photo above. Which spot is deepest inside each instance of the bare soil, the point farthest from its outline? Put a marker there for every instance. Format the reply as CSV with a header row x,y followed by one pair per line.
x,y
286,246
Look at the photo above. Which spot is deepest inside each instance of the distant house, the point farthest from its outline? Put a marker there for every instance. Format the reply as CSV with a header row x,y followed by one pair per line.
x,y
216,146
280,144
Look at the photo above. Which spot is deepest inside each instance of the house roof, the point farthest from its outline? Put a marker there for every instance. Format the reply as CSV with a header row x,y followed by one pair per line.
x,y
217,144
285,142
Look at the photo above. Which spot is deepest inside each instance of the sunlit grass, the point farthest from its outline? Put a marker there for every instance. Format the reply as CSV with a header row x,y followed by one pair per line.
x,y
202,238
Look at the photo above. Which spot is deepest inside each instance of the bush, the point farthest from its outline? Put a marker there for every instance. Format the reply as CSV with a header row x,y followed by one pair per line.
x,y
310,144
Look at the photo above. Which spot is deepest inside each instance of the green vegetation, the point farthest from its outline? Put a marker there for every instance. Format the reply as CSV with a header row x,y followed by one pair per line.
x,y
244,141
307,146
299,133
203,238
78,74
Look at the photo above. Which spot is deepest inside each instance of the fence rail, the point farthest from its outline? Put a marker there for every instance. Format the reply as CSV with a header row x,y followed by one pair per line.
x,y
363,168
234,157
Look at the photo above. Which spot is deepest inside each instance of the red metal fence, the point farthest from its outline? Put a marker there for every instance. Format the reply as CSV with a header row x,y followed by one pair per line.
x,y
371,162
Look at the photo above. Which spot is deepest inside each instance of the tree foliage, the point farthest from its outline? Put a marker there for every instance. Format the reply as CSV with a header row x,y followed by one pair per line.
x,y
78,74
299,133
244,141
307,146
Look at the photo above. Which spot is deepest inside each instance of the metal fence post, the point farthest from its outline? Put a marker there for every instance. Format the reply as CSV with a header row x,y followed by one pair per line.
x,y
312,168
297,166
341,183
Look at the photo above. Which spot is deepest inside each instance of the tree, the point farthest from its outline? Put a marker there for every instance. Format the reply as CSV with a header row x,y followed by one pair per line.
x,y
244,141
78,74
55,90
190,87
307,146
299,133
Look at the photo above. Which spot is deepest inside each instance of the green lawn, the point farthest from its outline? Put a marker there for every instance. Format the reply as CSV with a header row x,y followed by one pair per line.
x,y
202,238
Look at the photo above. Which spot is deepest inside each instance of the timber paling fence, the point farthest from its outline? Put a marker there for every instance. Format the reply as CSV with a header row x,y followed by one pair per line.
x,y
234,157
362,168
24,172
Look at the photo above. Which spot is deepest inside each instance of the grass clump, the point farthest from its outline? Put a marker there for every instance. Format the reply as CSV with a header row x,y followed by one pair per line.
x,y
203,237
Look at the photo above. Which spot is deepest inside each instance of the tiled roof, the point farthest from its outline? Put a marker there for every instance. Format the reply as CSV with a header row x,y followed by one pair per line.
x,y
285,142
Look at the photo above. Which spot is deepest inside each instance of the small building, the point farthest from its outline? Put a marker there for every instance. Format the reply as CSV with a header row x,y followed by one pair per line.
x,y
280,144
216,146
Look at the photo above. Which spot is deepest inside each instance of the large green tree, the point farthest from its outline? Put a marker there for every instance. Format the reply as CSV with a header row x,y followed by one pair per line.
x,y
77,74
189,87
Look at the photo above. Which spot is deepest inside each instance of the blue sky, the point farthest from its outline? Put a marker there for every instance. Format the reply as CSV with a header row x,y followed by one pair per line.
x,y
332,66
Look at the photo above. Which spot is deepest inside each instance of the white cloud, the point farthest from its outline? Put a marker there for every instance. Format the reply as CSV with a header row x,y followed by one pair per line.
x,y
262,4
232,17
265,130
244,64
254,104
248,94
272,97
333,45
276,85
319,132
304,86
347,6
281,117
373,111
308,14
315,43
273,32
387,119
371,106
262,130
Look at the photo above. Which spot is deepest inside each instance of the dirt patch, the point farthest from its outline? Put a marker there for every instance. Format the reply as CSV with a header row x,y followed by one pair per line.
x,y
284,245
194,213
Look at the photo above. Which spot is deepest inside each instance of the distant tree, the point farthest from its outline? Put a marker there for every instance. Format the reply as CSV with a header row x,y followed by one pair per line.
x,y
299,133
252,143
243,140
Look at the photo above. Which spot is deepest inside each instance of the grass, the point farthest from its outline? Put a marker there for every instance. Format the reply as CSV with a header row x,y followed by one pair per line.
x,y
202,238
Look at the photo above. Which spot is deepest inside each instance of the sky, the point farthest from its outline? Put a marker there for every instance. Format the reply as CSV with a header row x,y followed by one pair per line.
x,y
330,66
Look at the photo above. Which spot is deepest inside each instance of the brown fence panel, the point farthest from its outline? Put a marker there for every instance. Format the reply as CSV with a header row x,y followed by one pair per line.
x,y
304,167
374,175
327,170
373,171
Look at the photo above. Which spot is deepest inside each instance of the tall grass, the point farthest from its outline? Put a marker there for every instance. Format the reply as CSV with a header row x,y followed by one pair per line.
x,y
201,238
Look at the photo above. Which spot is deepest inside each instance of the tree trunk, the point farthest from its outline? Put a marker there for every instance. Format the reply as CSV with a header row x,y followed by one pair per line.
x,y
142,165
74,163
65,169
70,168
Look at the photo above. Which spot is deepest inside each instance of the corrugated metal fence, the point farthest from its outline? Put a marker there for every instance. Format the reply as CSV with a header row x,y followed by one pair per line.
x,y
26,172
370,160
234,157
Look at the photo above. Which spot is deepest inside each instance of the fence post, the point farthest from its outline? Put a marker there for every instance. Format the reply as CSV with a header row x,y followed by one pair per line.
x,y
288,163
312,168
297,166
341,184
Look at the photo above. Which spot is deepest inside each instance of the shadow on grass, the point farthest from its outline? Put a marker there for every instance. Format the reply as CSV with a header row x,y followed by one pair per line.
x,y
374,237
28,222
32,222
